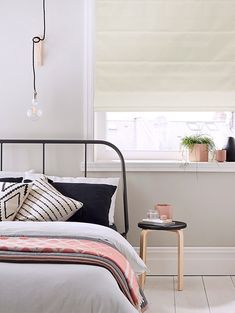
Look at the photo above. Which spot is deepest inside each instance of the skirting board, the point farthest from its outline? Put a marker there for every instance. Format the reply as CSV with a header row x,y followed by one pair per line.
x,y
197,260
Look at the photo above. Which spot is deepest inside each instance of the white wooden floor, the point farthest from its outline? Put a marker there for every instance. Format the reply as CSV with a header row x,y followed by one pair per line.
x,y
202,294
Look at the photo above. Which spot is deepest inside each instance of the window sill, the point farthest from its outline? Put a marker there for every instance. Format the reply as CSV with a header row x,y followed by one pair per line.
x,y
161,166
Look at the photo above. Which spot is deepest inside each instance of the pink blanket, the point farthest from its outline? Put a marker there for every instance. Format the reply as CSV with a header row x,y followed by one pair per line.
x,y
70,250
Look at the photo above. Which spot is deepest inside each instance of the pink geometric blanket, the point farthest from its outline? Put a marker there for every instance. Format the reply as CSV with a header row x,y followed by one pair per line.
x,y
71,250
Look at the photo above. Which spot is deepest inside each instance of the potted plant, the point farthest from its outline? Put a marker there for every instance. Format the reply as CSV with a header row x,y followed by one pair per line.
x,y
198,147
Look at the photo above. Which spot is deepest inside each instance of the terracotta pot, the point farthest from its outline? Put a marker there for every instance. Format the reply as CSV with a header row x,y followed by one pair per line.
x,y
199,153
164,209
220,155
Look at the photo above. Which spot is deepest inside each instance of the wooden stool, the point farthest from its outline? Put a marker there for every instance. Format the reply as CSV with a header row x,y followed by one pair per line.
x,y
176,228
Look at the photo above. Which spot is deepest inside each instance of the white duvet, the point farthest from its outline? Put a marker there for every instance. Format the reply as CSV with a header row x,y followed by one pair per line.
x,y
63,288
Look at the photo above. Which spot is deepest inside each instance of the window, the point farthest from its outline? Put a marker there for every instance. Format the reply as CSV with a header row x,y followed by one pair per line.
x,y
157,135
163,69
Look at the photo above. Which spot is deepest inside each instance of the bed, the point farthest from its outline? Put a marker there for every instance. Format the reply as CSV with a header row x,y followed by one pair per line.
x,y
67,267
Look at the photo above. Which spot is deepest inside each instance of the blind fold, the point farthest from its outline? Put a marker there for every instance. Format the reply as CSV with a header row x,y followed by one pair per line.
x,y
165,55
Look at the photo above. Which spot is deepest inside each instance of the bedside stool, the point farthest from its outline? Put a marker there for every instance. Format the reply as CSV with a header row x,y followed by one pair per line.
x,y
177,228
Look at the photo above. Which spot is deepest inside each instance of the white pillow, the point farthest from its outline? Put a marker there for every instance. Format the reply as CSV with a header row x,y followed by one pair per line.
x,y
83,180
12,195
45,203
11,174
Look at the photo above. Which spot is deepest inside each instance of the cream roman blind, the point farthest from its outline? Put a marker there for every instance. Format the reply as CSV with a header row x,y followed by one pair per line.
x,y
161,55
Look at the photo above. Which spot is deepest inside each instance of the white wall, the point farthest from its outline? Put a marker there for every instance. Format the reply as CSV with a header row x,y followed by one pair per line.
x,y
59,81
205,201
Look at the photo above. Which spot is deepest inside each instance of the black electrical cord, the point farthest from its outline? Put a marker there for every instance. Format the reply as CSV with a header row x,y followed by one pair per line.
x,y
36,40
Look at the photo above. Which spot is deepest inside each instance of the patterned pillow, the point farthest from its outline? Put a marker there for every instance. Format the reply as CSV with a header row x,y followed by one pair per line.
x,y
45,203
11,198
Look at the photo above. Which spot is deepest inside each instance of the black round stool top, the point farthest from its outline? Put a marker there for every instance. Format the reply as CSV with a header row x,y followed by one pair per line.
x,y
178,225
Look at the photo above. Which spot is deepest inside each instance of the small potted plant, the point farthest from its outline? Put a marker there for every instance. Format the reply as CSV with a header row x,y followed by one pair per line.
x,y
198,147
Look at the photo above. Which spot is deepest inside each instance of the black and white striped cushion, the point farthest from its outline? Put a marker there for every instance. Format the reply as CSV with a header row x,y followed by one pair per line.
x,y
45,203
12,196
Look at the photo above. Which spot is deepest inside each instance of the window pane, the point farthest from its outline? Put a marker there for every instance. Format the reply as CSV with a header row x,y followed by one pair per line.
x,y
162,131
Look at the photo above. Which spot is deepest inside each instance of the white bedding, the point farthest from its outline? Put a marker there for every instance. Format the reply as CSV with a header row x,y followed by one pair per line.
x,y
63,288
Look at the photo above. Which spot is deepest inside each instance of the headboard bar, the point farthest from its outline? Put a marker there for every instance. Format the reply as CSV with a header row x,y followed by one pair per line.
x,y
85,158
1,155
43,159
44,142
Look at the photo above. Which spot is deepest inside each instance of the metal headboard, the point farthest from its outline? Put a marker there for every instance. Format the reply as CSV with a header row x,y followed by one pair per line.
x,y
77,142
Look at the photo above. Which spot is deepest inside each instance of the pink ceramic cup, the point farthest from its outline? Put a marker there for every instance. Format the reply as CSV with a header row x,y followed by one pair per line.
x,y
220,155
164,209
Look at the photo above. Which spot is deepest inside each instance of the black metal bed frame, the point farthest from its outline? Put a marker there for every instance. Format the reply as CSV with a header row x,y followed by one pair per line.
x,y
77,142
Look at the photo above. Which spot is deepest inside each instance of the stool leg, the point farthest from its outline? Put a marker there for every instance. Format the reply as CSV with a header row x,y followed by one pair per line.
x,y
180,236
143,247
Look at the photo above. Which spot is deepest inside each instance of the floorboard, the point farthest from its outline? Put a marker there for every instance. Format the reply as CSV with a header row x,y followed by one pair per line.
x,y
160,294
193,298
220,293
207,294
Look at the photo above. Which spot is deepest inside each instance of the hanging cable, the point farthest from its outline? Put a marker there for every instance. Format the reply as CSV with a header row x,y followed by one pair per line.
x,y
36,40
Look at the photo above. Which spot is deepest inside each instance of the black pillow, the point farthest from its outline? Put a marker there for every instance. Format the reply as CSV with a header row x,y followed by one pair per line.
x,y
96,199
30,180
11,179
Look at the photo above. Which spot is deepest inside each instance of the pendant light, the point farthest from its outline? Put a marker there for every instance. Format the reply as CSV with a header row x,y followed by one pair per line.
x,y
35,112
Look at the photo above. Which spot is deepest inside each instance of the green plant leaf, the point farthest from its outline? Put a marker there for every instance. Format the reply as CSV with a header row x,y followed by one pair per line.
x,y
189,141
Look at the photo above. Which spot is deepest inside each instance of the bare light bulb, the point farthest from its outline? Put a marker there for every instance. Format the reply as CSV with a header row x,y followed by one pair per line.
x,y
34,112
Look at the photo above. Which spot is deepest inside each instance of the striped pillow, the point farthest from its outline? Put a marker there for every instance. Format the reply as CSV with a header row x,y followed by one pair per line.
x,y
12,196
45,203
